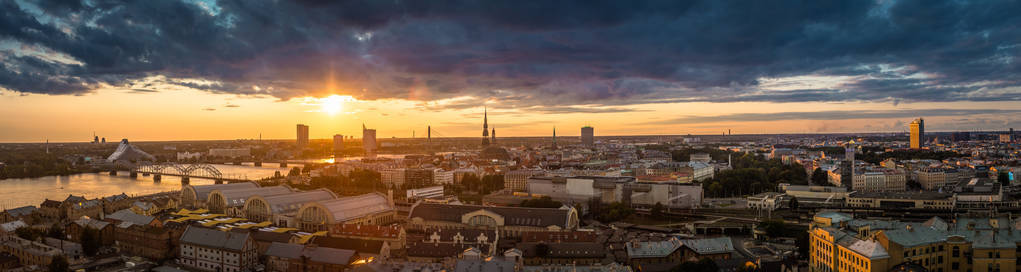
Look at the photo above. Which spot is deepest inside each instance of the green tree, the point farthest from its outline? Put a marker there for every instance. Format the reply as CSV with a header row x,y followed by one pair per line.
x,y
819,177
471,182
59,264
615,211
55,231
774,228
90,241
491,183
294,172
28,233
657,210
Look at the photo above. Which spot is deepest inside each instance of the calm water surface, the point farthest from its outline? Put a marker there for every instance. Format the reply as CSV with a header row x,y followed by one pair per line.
x,y
21,192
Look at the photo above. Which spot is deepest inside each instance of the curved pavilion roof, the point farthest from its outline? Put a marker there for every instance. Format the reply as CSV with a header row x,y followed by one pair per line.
x,y
343,209
292,202
238,197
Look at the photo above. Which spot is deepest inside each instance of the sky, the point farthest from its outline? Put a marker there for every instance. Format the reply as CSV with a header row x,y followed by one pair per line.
x,y
204,69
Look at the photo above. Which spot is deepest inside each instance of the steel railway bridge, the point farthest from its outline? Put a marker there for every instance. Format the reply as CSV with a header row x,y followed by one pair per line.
x,y
185,171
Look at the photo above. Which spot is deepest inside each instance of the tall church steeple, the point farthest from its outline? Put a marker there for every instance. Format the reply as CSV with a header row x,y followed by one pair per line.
x,y
493,140
485,127
554,137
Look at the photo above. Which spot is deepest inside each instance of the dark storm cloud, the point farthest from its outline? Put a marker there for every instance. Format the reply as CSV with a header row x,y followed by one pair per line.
x,y
554,55
833,115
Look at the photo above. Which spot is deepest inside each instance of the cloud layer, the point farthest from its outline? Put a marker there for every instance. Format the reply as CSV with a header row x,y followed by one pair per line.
x,y
560,56
834,115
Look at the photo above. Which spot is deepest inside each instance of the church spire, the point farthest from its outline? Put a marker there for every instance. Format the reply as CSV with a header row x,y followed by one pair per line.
x,y
554,137
485,127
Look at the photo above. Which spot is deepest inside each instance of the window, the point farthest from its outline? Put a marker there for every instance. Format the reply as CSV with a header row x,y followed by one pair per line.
x,y
955,265
956,252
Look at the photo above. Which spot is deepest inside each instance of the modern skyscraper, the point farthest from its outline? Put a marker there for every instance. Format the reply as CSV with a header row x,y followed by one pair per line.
x,y
587,136
338,146
302,135
369,140
917,133
485,127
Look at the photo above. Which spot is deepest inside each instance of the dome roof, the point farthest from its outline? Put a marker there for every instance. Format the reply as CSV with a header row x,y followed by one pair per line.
x,y
494,153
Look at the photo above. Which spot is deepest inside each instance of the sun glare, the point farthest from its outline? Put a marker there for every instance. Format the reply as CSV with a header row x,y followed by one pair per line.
x,y
333,104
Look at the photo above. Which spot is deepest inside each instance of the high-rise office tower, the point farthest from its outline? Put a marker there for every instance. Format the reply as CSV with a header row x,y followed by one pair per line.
x,y
917,133
338,146
369,140
587,136
302,135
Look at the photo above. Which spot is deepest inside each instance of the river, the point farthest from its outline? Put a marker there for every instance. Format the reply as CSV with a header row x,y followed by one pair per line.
x,y
32,191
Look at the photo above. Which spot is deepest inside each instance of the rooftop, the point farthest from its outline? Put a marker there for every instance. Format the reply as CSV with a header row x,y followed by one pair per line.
x,y
352,207
214,238
313,254
514,216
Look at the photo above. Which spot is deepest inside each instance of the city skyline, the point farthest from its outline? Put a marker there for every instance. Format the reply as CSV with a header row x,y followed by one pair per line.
x,y
673,67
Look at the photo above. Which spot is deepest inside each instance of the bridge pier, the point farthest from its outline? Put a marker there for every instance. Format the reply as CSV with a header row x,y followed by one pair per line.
x,y
185,180
113,172
258,163
218,181
283,164
157,178
133,174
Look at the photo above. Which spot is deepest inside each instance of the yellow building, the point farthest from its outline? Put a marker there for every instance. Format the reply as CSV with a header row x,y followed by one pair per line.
x,y
917,133
832,250
972,243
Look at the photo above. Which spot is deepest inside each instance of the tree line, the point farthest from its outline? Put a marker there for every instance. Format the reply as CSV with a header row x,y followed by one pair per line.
x,y
752,174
